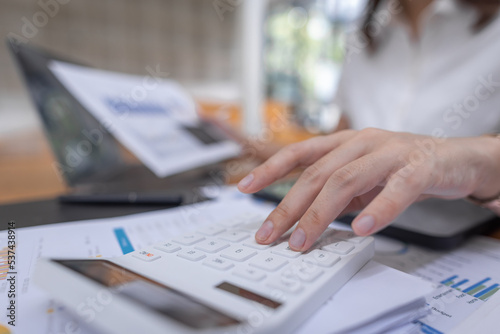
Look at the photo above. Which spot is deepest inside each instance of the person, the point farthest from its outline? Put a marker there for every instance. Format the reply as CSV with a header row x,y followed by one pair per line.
x,y
374,170
422,67
428,67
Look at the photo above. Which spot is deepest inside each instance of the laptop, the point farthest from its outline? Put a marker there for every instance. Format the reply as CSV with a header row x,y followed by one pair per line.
x,y
96,167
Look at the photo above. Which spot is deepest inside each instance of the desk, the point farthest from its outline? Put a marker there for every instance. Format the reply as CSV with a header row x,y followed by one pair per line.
x,y
26,172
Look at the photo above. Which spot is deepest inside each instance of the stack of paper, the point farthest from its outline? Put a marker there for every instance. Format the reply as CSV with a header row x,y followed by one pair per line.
x,y
467,278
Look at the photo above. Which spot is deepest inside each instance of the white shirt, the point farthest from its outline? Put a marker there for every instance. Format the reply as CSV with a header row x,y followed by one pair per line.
x,y
446,83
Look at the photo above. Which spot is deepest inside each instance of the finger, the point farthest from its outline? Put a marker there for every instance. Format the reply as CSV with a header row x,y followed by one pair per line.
x,y
355,178
305,190
399,193
299,154
360,202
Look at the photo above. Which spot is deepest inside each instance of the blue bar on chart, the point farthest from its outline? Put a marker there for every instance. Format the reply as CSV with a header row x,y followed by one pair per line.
x,y
476,287
485,291
449,280
123,240
459,283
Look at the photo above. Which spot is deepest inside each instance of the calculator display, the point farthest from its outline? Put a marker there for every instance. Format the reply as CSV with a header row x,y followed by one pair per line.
x,y
156,296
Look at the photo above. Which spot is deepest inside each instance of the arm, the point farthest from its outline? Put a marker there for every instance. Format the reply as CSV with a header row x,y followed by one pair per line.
x,y
378,171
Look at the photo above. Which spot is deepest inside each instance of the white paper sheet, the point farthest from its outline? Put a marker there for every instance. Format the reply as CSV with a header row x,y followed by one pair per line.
x,y
366,297
451,303
373,301
146,114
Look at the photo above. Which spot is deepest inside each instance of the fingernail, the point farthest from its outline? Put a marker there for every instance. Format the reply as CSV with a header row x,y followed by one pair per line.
x,y
365,225
264,231
297,239
245,182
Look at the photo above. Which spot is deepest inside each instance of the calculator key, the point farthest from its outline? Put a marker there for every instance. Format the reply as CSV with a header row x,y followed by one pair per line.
x,y
340,247
326,238
252,226
253,222
191,254
232,222
304,271
189,239
211,230
268,262
238,253
349,236
251,216
234,236
212,246
146,256
283,249
286,284
249,273
322,258
218,263
253,244
168,247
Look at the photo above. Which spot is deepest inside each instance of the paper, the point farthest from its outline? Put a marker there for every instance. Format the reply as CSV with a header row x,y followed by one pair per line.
x,y
368,296
376,297
483,320
468,276
154,118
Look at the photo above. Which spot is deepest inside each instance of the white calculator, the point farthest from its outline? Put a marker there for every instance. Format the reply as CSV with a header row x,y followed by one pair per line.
x,y
216,280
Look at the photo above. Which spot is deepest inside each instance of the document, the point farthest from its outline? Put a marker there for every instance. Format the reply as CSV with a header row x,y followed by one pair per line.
x,y
375,300
467,277
153,117
366,297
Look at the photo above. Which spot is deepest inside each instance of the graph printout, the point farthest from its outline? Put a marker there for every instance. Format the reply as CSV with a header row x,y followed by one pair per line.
x,y
467,276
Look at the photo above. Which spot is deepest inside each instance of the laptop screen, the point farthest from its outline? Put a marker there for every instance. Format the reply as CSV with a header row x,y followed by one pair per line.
x,y
84,149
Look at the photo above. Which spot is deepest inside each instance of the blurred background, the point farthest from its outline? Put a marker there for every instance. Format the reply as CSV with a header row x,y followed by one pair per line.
x,y
197,42
187,38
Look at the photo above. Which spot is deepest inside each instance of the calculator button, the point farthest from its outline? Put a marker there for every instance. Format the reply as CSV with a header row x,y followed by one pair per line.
x,y
322,258
285,284
339,247
349,236
283,249
253,244
211,230
306,272
326,238
268,262
251,216
189,239
231,222
191,254
212,246
168,247
234,236
146,256
238,253
249,273
218,263
253,224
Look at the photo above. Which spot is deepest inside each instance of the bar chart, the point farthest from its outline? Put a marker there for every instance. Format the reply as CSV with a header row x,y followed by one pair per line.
x,y
482,289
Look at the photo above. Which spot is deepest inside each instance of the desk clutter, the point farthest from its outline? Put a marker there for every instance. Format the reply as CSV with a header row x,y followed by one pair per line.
x,y
444,288
366,303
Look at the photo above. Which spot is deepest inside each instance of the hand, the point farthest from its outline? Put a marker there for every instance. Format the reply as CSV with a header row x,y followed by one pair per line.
x,y
378,171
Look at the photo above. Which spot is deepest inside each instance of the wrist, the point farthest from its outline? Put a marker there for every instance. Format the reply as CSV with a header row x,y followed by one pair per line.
x,y
487,194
